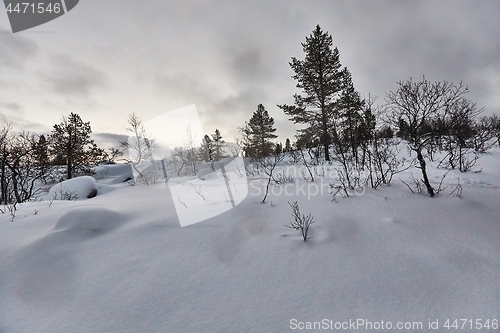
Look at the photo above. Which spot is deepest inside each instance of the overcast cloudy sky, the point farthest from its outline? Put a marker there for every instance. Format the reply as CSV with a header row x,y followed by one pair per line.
x,y
108,58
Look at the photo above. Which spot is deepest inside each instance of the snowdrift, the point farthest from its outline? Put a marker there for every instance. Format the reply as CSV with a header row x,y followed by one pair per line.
x,y
122,263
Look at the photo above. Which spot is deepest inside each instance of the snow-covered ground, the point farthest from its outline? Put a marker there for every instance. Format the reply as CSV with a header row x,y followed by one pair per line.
x,y
121,262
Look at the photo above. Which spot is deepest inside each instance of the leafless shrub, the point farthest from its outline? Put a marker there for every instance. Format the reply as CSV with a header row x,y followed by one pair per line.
x,y
383,163
457,192
484,136
12,210
304,176
320,172
417,184
467,163
63,193
182,202
282,178
303,158
68,195
440,187
337,189
268,165
198,191
54,197
300,221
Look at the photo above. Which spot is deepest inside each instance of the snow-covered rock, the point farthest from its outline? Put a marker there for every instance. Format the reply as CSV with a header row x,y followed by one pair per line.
x,y
84,187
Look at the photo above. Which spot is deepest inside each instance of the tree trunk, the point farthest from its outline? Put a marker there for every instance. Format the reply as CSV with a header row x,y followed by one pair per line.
x,y
69,160
14,185
3,182
428,186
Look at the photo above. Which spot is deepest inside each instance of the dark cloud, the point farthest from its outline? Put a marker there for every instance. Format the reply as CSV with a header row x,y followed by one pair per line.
x,y
11,106
453,41
15,50
20,123
217,108
108,140
72,78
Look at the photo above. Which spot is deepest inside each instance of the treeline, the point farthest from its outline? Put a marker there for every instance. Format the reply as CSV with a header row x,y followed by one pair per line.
x,y
431,117
28,160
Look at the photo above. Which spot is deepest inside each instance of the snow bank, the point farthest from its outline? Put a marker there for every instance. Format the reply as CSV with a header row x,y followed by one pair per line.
x,y
76,188
122,263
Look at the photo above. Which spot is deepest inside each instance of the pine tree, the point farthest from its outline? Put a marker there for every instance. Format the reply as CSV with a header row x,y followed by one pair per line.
x,y
71,141
288,146
278,149
41,155
258,132
218,144
319,76
206,149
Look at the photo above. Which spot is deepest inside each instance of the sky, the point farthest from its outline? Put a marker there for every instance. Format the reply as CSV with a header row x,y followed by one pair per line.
x,y
108,58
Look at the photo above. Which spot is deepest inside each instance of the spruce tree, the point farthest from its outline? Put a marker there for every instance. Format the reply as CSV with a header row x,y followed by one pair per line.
x,y
349,126
288,146
206,150
258,132
319,76
218,144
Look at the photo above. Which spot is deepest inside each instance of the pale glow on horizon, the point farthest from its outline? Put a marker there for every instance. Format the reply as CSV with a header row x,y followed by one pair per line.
x,y
171,129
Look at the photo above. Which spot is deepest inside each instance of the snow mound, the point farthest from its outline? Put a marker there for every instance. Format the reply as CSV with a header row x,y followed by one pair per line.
x,y
89,221
47,271
114,173
112,170
77,188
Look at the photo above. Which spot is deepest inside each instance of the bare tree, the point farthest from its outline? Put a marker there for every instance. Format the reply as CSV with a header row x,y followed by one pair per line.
x,y
485,130
140,145
459,133
415,106
26,166
191,150
4,156
112,154
23,165
268,165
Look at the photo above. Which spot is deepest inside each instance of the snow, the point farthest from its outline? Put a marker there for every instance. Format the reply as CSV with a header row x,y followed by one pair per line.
x,y
75,188
121,262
